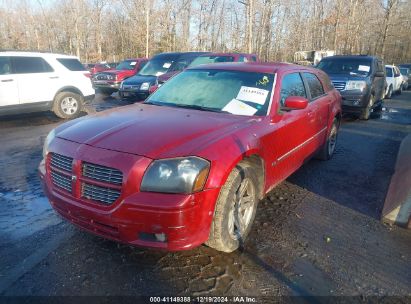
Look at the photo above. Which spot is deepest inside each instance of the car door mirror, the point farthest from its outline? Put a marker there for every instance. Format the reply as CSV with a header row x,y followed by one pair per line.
x,y
295,103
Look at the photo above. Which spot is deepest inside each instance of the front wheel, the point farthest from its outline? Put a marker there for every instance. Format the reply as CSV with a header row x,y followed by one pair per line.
x,y
328,149
67,105
235,209
366,113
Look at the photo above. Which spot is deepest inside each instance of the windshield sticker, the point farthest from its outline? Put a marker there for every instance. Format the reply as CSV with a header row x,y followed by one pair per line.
x,y
238,107
263,82
364,68
252,95
166,65
133,63
159,74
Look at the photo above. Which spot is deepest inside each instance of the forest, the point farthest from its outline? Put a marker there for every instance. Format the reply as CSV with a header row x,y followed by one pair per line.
x,y
104,30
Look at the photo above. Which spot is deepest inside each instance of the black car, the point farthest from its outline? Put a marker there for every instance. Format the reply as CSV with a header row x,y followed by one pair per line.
x,y
360,80
163,65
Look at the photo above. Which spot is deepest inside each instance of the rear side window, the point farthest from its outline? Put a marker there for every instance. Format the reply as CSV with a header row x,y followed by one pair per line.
x,y
314,85
292,85
72,64
30,65
388,71
5,65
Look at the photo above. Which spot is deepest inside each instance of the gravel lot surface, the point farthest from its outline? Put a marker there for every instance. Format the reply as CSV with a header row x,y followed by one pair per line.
x,y
316,234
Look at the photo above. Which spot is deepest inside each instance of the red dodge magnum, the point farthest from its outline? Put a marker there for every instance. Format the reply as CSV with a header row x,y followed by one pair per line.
x,y
189,165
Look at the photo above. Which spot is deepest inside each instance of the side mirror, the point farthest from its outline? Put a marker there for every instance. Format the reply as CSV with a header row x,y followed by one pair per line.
x,y
295,103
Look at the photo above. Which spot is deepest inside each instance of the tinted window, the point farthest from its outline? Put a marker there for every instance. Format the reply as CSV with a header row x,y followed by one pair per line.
x,y
72,64
211,59
28,65
314,85
292,85
242,59
388,71
5,65
236,92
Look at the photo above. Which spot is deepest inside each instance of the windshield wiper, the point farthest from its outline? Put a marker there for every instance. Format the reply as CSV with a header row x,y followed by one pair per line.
x,y
197,107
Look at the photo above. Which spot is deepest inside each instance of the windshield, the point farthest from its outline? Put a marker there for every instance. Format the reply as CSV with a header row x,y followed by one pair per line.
x,y
126,65
211,59
235,92
356,67
404,71
156,67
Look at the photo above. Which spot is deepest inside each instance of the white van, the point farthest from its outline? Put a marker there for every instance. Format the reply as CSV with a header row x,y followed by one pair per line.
x,y
31,82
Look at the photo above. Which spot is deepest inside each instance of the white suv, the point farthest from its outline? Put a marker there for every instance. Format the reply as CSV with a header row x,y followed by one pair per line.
x,y
31,82
394,80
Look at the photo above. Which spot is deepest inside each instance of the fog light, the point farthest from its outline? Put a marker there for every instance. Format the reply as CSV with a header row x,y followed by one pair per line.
x,y
161,237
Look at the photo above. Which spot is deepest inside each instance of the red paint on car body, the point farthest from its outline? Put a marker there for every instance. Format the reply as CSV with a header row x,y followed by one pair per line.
x,y
129,138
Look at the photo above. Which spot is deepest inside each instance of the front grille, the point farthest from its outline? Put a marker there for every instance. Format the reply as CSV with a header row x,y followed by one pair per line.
x,y
103,174
339,85
61,181
61,162
102,194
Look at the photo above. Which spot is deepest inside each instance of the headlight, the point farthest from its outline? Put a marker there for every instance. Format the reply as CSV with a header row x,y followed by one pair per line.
x,y
47,142
176,175
145,86
356,85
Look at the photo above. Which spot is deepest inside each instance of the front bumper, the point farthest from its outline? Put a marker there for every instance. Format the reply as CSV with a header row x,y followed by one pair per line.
x,y
106,84
185,220
354,102
133,93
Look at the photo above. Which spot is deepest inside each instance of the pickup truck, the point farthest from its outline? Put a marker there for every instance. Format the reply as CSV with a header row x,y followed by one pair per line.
x,y
108,82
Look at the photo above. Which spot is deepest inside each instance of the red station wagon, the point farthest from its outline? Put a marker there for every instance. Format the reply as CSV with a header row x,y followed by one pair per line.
x,y
189,165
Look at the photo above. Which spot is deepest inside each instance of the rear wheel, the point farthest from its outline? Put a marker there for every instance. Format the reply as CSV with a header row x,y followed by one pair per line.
x,y
67,105
235,209
328,148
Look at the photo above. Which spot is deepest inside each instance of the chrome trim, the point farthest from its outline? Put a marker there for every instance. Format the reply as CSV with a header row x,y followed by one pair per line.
x,y
282,157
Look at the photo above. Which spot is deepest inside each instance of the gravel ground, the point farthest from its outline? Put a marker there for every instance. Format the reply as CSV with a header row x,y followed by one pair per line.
x,y
317,234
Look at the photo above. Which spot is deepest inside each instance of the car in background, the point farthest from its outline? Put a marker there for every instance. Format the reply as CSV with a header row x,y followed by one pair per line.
x,y
360,80
223,57
113,64
159,69
189,165
394,81
33,82
109,81
97,67
406,75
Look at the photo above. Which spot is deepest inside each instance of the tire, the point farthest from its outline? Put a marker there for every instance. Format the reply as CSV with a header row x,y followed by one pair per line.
x,y
389,93
328,149
232,220
366,113
68,105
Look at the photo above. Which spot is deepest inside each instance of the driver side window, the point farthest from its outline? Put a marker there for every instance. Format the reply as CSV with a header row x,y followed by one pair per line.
x,y
292,85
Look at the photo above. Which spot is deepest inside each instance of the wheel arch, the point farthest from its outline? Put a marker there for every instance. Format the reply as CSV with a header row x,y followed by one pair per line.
x,y
68,89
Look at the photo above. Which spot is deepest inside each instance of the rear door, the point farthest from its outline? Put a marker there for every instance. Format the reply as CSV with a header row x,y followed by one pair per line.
x,y
9,93
318,110
34,77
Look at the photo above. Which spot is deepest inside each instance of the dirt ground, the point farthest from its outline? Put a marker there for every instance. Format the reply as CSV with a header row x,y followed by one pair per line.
x,y
317,234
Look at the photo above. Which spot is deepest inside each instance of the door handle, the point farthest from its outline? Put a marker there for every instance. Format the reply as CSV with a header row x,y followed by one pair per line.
x,y
7,80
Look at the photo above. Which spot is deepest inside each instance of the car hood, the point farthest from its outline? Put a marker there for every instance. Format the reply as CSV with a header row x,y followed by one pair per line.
x,y
153,131
137,79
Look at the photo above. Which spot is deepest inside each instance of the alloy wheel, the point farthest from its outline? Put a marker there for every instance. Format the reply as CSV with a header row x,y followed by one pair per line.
x,y
69,105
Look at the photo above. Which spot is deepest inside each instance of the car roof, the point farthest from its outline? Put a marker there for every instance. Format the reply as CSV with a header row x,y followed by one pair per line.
x,y
264,67
350,57
36,54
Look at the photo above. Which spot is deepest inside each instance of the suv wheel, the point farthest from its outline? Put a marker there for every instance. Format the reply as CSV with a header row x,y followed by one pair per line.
x,y
67,105
365,115
328,148
235,209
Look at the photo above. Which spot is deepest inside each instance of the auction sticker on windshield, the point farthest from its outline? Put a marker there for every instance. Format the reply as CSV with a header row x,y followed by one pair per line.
x,y
238,107
364,68
252,95
133,63
166,65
